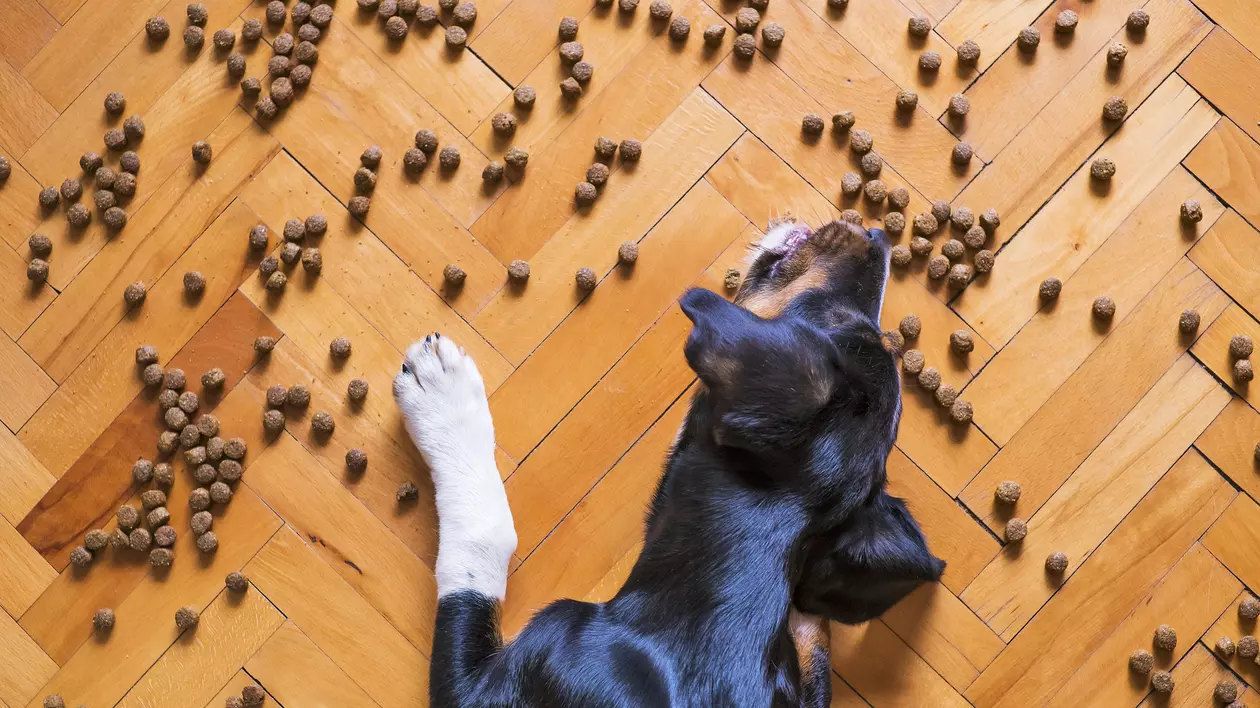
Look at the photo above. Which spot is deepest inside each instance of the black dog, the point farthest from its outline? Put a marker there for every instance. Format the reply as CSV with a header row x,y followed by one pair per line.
x,y
770,519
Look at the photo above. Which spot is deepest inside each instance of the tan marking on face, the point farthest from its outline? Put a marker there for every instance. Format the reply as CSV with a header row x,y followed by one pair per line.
x,y
771,303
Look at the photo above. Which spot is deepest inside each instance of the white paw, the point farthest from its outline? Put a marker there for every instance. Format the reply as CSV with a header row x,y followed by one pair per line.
x,y
443,403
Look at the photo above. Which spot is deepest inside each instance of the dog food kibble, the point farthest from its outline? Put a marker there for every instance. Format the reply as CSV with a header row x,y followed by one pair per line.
x,y
152,375
1225,646
230,470
96,539
875,190
586,280
871,164
895,222
1102,168
140,540
115,103
194,37
220,493
157,28
80,557
364,181
772,34
1226,691
1056,562
894,339
49,197
356,461
214,448
194,283
983,261
959,275
414,160
1240,346
1028,39
359,205
212,379
745,46
273,421
134,294
861,142
968,53
251,31
187,617
312,261
1162,682
163,474
267,108
298,396
197,14
919,26
1138,20
938,267
202,152
961,154
145,354
975,237
1141,661
253,696
953,249
1165,638
252,87
660,10
713,35
583,71
929,379
168,440
1104,307
448,158
236,580
960,341
37,270
746,20
207,426
264,344
812,124
852,216
946,395
158,517
1248,647
585,193
208,542
277,281
912,362
78,216
901,255
1243,371
518,271
1007,492
1050,288
396,27
115,218
1249,608
1115,108
175,379
930,60
850,183
54,701
275,12
962,411
224,39
407,491
282,91
453,275
1016,530
1191,211
339,348
162,557
842,121
165,536
322,423
152,498
1066,22
235,448
103,620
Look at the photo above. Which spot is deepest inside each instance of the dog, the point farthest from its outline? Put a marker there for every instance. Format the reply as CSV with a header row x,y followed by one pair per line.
x,y
771,517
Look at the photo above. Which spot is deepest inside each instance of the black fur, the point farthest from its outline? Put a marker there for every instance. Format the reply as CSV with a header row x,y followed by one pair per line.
x,y
773,497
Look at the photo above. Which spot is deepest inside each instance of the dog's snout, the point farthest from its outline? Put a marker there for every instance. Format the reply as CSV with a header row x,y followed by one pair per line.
x,y
877,235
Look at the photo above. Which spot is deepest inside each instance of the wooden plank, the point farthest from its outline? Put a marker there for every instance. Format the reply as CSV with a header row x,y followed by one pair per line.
x,y
1238,18
1069,129
564,366
25,27
340,622
24,667
652,99
942,630
1235,540
1189,598
23,477
156,235
1071,228
98,673
1162,527
525,32
194,668
919,149
233,687
1018,85
876,663
1230,443
1195,678
24,114
1228,75
90,491
1228,162
952,534
1096,497
1213,350
601,530
364,271
346,535
1231,624
877,29
25,574
992,25
1059,337
1225,254
101,388
296,673
1062,433
674,158
23,385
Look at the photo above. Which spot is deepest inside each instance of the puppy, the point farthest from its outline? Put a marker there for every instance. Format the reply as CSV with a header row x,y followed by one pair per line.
x,y
770,519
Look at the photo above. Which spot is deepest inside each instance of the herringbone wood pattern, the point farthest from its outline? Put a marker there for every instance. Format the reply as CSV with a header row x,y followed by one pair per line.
x,y
1133,444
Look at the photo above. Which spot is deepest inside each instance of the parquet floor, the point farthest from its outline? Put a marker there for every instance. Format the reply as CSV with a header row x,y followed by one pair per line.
x,y
1133,444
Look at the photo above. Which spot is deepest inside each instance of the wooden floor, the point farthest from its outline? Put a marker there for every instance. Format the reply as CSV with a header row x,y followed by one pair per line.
x,y
1133,444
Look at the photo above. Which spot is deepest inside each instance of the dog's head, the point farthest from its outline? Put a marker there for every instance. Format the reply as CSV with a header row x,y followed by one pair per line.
x,y
801,396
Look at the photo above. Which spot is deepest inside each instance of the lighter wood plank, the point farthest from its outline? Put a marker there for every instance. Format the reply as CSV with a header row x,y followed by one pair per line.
x,y
297,673
1105,590
675,157
24,667
24,114
157,234
194,668
24,479
649,100
591,339
371,277
1228,161
1228,75
97,391
1230,443
25,27
1231,624
1059,337
348,537
1213,350
1235,540
523,34
1189,598
23,385
1238,18
99,673
945,632
23,573
1226,255
1085,408
992,25
340,622
1196,678
1070,128
884,670
1096,497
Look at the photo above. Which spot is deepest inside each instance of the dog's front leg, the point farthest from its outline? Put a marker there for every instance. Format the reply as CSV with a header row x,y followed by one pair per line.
x,y
443,403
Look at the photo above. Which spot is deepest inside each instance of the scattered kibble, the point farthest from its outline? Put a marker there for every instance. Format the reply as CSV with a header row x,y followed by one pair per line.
x,y
159,516
912,362
264,344
359,205
929,379
894,340
1016,530
1189,322
961,341
745,46
208,542
871,164
41,246
850,183
919,26
518,271
453,275
945,395
713,35
1050,288
597,174
968,53
161,557
1007,492
938,267
224,39
1116,54
746,20
322,424
194,37
151,499
953,249
930,60
1243,371
680,29
962,153
165,536
1162,682
900,255
152,375
236,580
157,28
1225,647
1142,662
448,158
959,105
396,29
585,193
1056,562
1191,211
959,275
187,617
1066,22
894,222
127,517
37,270
356,461
1104,307
407,491
1138,21
1165,638
298,396
197,14
251,31
812,124
1028,39
1240,346
140,540
1226,691
586,279
54,701
1115,109
1248,647
861,142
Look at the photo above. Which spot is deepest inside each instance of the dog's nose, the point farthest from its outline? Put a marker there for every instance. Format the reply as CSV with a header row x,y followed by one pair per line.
x,y
877,235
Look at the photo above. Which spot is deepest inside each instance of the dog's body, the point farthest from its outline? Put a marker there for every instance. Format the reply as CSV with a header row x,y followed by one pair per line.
x,y
771,516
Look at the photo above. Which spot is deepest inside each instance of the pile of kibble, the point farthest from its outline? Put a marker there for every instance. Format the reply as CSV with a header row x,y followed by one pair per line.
x,y
294,248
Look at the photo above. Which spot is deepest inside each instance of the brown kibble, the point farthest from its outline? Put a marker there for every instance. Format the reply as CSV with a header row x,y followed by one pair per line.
x,y
165,536
907,100
961,154
273,421
516,158
54,701
220,493
1116,54
983,261
1225,647
1065,22
339,348
597,174
1162,682
128,517
158,516
208,542
140,540
812,124
453,275
151,499
312,261
235,448
163,474
842,121
745,46
1141,661
194,37
1240,346
197,14
1104,307
1248,609
96,539
586,279
1028,39
1248,647
322,423
214,448
925,225
893,340
850,184
568,28
871,164
938,267
1007,492
946,395
359,205
356,461
224,39
900,255
1016,530
103,620
396,29
465,14
680,29
961,411
267,108
364,181
959,275
37,270
732,279
161,557
114,218
585,193
194,283
236,581
968,53
1102,168
89,162
746,20
912,362
929,379
911,326
953,249
407,491
1056,562
1138,21
253,696
959,105
1050,288
448,158
1165,638
146,354
157,28
518,271
230,470
861,142
930,60
524,96
1191,211
298,396
168,440
134,294
1226,691
571,52
357,389
152,375
414,160
894,222
1116,108
961,342
1243,371
202,152
129,163
187,617
78,216
919,26
251,31
660,10
71,190
49,197
264,344
503,123
570,88
190,437
80,557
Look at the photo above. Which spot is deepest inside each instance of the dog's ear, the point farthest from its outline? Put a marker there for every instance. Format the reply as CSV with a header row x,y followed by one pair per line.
x,y
856,571
711,348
